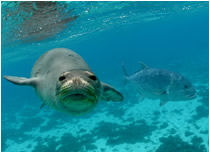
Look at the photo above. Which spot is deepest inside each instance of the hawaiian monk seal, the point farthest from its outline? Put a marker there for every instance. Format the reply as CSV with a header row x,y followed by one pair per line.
x,y
161,84
64,81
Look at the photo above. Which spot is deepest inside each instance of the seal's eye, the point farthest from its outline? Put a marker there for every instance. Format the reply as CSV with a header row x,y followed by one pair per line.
x,y
93,77
186,86
62,78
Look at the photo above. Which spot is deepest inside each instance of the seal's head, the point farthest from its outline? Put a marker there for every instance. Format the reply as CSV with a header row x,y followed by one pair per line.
x,y
78,91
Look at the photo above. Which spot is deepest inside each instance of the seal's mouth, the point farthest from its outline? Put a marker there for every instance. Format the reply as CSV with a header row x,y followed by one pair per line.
x,y
78,101
80,94
77,96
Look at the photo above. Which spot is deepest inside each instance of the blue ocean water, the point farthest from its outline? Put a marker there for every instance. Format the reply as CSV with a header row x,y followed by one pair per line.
x,y
167,35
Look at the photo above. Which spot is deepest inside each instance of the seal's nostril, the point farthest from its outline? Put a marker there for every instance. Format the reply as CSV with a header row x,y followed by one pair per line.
x,y
62,78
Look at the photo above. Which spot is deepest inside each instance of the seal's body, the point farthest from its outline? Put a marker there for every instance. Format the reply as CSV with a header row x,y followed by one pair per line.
x,y
64,81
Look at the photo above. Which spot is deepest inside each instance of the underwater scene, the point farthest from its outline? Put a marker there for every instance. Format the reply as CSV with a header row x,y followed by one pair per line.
x,y
120,76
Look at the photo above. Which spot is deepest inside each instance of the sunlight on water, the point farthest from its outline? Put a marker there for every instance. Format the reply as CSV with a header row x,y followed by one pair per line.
x,y
33,22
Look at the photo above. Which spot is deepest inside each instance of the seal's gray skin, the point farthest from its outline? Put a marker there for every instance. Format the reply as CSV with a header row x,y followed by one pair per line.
x,y
64,81
161,84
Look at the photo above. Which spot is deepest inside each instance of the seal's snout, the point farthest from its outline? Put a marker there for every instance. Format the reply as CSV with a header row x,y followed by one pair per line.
x,y
67,78
79,82
77,94
75,83
74,88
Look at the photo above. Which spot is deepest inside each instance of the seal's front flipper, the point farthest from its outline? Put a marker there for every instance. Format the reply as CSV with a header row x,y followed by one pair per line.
x,y
110,94
21,80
